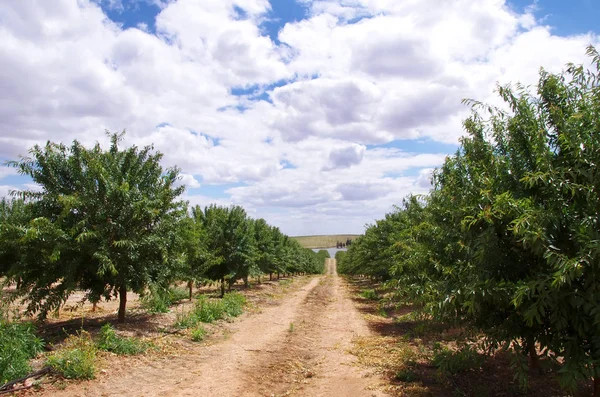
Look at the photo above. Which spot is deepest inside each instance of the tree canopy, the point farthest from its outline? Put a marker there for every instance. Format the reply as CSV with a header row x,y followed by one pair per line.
x,y
104,222
508,240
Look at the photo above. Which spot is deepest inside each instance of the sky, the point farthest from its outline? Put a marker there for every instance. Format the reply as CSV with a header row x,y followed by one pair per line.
x,y
317,115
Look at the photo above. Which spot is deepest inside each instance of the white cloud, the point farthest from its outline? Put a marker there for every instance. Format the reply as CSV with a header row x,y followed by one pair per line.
x,y
343,84
189,181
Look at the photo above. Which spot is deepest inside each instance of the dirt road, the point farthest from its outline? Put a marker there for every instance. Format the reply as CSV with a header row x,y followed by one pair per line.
x,y
296,348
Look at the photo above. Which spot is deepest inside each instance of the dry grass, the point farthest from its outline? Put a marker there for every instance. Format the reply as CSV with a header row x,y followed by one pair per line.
x,y
323,241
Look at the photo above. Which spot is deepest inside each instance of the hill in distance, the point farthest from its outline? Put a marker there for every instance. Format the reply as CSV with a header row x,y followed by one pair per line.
x,y
326,241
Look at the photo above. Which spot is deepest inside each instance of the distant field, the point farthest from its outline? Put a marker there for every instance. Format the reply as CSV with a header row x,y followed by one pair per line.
x,y
323,241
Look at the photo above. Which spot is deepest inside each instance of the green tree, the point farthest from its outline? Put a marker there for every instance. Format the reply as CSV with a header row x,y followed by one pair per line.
x,y
105,222
228,240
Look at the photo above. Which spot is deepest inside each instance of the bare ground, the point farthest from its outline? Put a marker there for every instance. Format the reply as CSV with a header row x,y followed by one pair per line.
x,y
299,347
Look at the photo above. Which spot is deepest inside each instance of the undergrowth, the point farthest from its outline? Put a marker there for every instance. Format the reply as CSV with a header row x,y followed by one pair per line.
x,y
450,362
369,294
109,341
198,333
158,300
18,344
76,359
209,310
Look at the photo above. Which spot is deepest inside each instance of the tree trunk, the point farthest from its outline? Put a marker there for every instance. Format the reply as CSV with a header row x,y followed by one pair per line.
x,y
277,275
94,306
122,303
271,276
596,386
535,360
222,287
246,283
191,288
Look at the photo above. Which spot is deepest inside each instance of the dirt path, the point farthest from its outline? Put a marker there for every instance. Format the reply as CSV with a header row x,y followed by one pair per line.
x,y
296,348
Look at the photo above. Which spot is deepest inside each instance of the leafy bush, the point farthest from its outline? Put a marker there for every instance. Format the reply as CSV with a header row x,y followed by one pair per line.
x,y
110,341
234,304
369,294
209,310
185,320
18,344
198,333
406,375
453,362
77,359
158,300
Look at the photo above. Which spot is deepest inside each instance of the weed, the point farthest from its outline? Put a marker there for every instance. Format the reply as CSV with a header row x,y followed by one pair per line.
x,y
405,375
291,329
234,304
18,344
451,362
198,333
185,320
381,311
110,341
369,294
209,310
76,360
158,300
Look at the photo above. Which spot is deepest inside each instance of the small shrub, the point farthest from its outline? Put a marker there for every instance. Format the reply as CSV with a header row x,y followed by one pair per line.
x,y
110,341
453,362
76,360
158,300
208,310
18,344
198,333
369,294
185,320
406,375
234,304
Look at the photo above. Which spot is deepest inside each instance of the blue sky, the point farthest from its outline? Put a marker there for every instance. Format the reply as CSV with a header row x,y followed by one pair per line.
x,y
566,17
316,115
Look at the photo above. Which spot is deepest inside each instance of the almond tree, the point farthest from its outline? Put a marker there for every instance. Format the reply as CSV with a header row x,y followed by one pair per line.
x,y
104,221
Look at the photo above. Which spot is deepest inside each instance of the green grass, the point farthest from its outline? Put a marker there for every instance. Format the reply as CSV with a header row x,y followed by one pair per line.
x,y
406,375
108,340
369,294
198,333
18,344
159,300
76,360
325,241
451,362
209,310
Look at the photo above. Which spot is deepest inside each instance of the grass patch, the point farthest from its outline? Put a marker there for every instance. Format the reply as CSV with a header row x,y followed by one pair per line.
x,y
159,300
234,304
76,360
369,294
18,344
450,362
406,375
209,310
198,333
109,341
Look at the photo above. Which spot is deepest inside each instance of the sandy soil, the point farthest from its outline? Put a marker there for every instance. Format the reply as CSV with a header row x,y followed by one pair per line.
x,y
298,347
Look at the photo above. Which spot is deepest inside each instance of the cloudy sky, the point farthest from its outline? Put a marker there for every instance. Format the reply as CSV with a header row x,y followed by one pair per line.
x,y
318,115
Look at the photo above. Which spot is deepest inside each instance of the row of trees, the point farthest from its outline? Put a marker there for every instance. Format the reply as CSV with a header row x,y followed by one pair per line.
x,y
508,240
109,222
